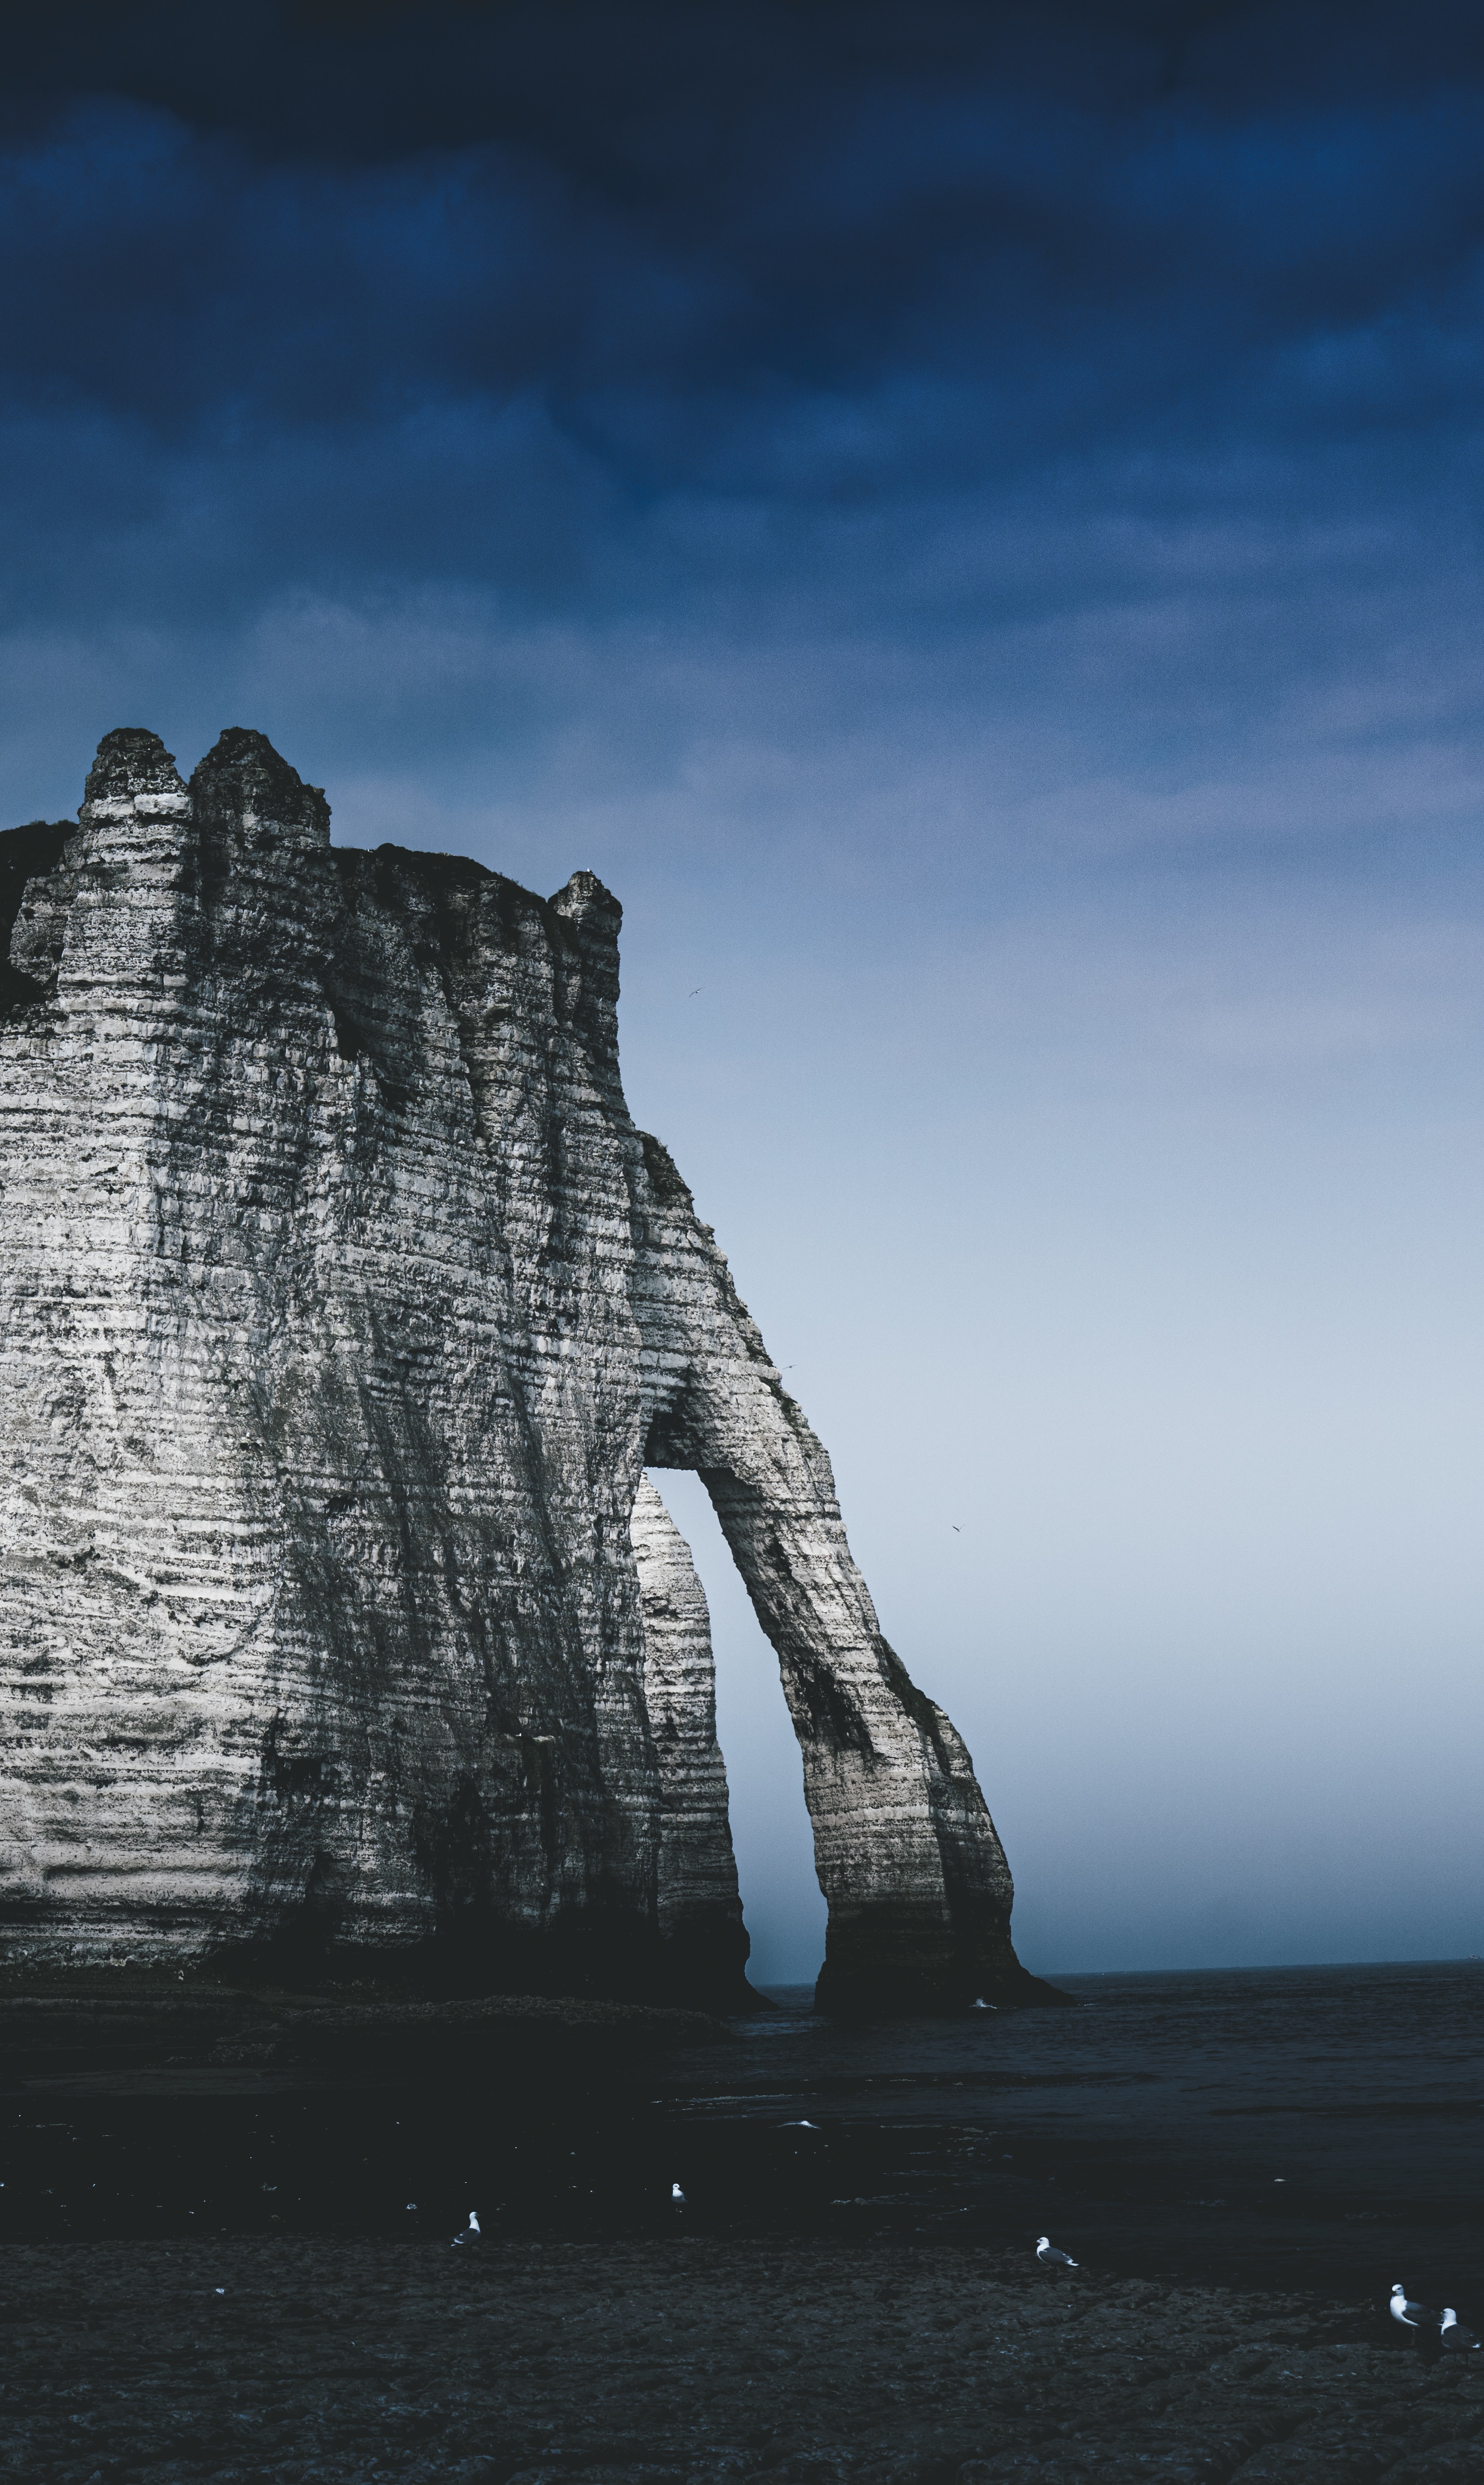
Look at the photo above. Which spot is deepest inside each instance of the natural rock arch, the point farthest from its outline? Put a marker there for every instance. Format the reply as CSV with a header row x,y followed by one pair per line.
x,y
342,1307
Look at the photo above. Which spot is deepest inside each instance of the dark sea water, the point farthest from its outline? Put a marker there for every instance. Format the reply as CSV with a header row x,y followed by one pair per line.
x,y
1298,2127
1313,2127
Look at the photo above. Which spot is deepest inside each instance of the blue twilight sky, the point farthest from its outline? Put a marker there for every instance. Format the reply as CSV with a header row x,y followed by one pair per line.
x,y
969,518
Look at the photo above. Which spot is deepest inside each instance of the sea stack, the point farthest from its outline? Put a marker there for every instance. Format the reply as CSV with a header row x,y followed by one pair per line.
x,y
345,1321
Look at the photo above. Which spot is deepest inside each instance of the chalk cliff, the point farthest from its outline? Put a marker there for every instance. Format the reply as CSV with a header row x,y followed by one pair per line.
x,y
342,1309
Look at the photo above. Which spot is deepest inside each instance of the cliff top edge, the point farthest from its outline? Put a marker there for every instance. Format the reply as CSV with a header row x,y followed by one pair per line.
x,y
244,778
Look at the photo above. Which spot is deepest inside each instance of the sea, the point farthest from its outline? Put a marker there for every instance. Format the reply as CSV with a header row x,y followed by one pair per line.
x,y
1315,2128
1319,2127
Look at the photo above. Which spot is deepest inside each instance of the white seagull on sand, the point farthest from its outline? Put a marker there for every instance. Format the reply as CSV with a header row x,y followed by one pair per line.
x,y
1455,2334
1050,2259
1413,2316
472,2233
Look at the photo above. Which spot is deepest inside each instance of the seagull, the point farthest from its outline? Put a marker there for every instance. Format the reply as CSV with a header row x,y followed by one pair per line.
x,y
804,2125
1455,2334
472,2233
957,1531
1050,2259
677,2196
1413,2316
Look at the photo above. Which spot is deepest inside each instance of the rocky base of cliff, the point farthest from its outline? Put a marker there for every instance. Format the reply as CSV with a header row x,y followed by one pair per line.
x,y
589,1957
688,2360
880,1962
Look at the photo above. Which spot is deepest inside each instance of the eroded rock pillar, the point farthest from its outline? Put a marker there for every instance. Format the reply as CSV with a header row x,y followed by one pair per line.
x,y
698,1905
915,1878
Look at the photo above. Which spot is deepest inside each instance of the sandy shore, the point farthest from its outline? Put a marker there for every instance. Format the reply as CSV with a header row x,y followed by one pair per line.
x,y
686,2360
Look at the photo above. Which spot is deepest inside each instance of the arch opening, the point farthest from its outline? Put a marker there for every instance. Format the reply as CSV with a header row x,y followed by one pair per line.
x,y
773,1837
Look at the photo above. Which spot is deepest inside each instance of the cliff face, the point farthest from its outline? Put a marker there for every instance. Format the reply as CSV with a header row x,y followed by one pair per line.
x,y
342,1310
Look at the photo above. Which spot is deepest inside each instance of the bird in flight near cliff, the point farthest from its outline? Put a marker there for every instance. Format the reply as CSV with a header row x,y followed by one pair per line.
x,y
1413,2316
1050,2259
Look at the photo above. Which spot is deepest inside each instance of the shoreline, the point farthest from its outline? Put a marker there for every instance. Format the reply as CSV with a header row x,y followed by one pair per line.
x,y
685,2359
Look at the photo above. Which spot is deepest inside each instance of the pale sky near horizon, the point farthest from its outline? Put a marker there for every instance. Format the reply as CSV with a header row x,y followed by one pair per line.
x,y
969,520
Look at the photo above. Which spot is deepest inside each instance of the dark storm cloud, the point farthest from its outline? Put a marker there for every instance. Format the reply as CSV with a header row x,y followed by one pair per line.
x,y
916,326
781,213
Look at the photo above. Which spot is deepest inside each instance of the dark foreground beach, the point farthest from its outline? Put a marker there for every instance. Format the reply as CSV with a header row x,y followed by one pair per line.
x,y
227,2222
680,2358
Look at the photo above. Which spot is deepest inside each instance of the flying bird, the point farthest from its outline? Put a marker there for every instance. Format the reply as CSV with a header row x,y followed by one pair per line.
x,y
1413,2316
1050,2259
1455,2334
472,2233
804,2124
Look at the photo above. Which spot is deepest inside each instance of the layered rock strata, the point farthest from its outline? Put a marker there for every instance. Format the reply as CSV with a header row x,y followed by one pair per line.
x,y
342,1310
698,1905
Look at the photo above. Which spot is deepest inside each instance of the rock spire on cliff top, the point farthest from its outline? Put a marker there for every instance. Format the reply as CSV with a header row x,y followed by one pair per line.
x,y
342,1311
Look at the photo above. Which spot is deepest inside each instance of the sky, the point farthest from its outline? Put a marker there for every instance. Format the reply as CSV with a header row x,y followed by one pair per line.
x,y
969,519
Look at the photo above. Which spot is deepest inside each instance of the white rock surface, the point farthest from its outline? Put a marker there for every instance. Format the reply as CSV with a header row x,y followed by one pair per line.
x,y
698,1902
342,1306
